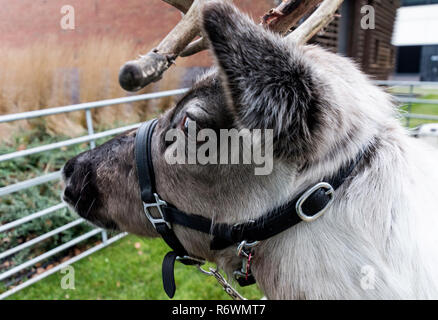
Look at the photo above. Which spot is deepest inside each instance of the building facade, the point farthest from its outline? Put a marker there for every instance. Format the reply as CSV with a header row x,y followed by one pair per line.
x,y
146,22
370,47
416,39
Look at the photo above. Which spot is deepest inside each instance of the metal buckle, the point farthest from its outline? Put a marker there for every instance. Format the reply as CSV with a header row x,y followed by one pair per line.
x,y
323,185
158,203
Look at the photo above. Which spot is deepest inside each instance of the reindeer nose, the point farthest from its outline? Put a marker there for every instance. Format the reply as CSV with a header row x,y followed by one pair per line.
x,y
68,195
67,173
76,174
69,168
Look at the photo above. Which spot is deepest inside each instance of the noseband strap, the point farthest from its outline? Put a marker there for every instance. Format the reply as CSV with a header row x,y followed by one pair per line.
x,y
308,206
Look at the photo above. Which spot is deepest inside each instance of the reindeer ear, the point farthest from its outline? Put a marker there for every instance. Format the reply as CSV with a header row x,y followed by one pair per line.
x,y
267,81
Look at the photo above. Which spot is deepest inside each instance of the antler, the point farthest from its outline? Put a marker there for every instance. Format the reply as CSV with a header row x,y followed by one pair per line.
x,y
317,21
288,14
181,5
137,74
280,19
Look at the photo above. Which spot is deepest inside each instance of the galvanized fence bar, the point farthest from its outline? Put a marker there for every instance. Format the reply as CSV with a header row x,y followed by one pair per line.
x,y
65,143
31,217
411,92
88,105
416,101
42,237
26,184
420,116
89,120
393,83
61,266
48,254
90,128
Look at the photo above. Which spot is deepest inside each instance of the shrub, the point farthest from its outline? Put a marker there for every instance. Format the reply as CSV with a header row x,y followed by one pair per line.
x,y
21,204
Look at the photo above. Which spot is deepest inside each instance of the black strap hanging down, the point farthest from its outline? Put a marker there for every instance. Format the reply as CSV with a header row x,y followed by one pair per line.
x,y
146,178
306,206
167,270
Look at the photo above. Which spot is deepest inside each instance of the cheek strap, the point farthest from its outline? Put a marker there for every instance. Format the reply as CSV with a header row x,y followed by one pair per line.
x,y
150,198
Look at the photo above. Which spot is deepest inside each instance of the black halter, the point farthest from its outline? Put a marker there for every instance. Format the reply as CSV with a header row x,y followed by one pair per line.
x,y
307,206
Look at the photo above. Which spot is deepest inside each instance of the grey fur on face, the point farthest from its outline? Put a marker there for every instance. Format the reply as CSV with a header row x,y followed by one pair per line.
x,y
323,111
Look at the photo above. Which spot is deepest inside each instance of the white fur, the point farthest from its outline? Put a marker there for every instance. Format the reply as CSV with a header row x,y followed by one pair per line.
x,y
385,221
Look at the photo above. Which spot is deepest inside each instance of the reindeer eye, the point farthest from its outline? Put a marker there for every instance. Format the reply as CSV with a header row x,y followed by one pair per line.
x,y
186,121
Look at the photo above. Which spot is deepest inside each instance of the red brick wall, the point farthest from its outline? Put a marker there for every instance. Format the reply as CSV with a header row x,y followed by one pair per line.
x,y
23,22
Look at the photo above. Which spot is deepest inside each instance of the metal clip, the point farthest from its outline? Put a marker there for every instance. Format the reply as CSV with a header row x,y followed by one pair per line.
x,y
244,250
157,204
196,261
221,280
241,248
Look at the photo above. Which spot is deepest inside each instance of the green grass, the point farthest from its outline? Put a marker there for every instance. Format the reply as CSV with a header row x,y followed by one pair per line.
x,y
122,271
428,109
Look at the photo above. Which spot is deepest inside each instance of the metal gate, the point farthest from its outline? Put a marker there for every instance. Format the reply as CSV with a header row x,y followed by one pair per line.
x,y
405,100
23,185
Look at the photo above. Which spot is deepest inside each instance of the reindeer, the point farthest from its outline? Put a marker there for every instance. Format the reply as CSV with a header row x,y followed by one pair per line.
x,y
377,237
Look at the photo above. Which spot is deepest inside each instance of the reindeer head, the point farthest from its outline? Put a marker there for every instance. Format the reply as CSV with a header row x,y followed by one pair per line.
x,y
261,81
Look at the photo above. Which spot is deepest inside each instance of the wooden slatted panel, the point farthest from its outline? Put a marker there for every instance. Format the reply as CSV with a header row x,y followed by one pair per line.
x,y
328,37
373,49
378,62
